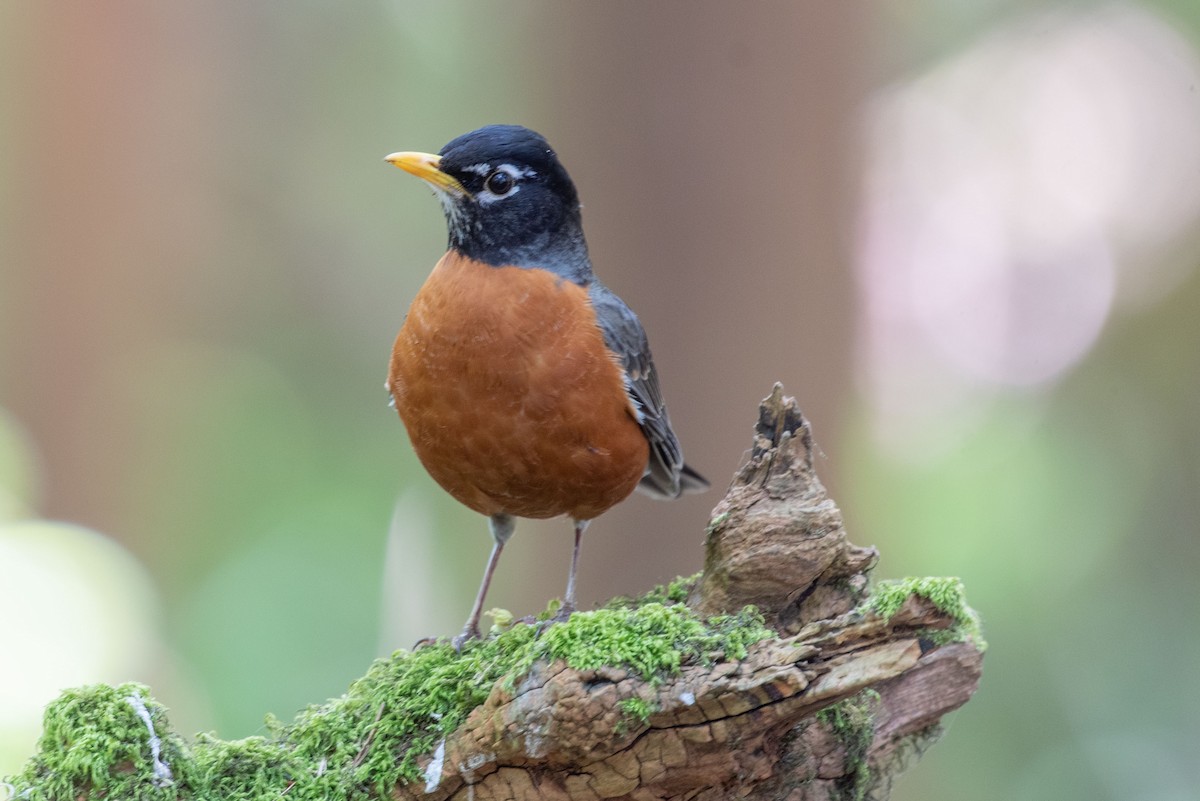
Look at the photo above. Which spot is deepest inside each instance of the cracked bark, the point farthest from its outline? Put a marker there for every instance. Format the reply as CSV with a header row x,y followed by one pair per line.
x,y
749,729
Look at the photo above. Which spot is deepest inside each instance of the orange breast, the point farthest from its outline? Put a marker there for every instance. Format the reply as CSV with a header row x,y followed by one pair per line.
x,y
511,399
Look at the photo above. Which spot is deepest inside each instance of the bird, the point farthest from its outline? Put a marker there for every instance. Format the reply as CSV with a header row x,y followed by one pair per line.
x,y
526,386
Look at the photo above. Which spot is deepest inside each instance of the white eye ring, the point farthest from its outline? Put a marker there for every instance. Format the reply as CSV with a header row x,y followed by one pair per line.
x,y
509,179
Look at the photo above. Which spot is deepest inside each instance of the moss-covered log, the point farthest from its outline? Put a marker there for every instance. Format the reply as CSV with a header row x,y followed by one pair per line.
x,y
774,674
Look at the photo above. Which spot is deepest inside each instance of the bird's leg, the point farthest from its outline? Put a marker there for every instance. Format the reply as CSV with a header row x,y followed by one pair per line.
x,y
502,527
568,605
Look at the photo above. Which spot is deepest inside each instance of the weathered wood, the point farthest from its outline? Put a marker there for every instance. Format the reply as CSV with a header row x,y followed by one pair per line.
x,y
847,695
750,729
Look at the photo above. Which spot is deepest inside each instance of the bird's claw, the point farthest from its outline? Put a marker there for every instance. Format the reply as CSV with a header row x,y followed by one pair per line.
x,y
469,633
561,616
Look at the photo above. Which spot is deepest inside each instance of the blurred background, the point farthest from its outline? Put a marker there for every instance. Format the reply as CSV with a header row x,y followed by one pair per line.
x,y
964,235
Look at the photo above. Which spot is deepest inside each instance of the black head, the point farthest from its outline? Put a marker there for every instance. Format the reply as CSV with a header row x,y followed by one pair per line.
x,y
508,200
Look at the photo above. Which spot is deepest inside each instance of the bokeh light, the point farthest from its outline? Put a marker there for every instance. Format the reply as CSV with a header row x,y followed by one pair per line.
x,y
1014,193
1027,264
76,608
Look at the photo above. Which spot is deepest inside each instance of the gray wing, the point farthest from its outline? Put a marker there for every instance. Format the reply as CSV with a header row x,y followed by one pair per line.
x,y
666,474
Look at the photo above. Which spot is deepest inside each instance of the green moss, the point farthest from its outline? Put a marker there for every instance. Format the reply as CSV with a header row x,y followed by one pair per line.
x,y
673,592
947,594
637,709
852,721
634,711
717,522
241,770
375,736
502,620
654,639
403,706
95,741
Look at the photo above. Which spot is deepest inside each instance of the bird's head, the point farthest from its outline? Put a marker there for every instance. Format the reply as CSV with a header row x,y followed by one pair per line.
x,y
508,200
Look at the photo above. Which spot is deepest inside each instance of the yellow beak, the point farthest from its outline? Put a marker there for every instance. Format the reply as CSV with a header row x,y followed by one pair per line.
x,y
425,167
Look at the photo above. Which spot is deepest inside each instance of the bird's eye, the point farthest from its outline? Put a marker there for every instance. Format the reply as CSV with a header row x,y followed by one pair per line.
x,y
499,183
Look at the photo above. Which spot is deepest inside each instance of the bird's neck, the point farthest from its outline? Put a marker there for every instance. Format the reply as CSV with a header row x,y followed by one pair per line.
x,y
562,252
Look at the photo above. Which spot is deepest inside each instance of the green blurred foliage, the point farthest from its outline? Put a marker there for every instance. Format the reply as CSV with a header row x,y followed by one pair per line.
x,y
1071,512
1071,516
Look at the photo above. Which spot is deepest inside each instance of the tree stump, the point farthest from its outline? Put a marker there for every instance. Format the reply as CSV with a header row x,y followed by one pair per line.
x,y
836,706
752,729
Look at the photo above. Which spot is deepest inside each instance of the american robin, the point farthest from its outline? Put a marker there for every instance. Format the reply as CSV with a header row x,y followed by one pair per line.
x,y
526,385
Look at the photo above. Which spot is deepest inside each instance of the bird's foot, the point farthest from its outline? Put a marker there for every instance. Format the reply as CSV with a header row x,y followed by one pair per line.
x,y
561,616
468,633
